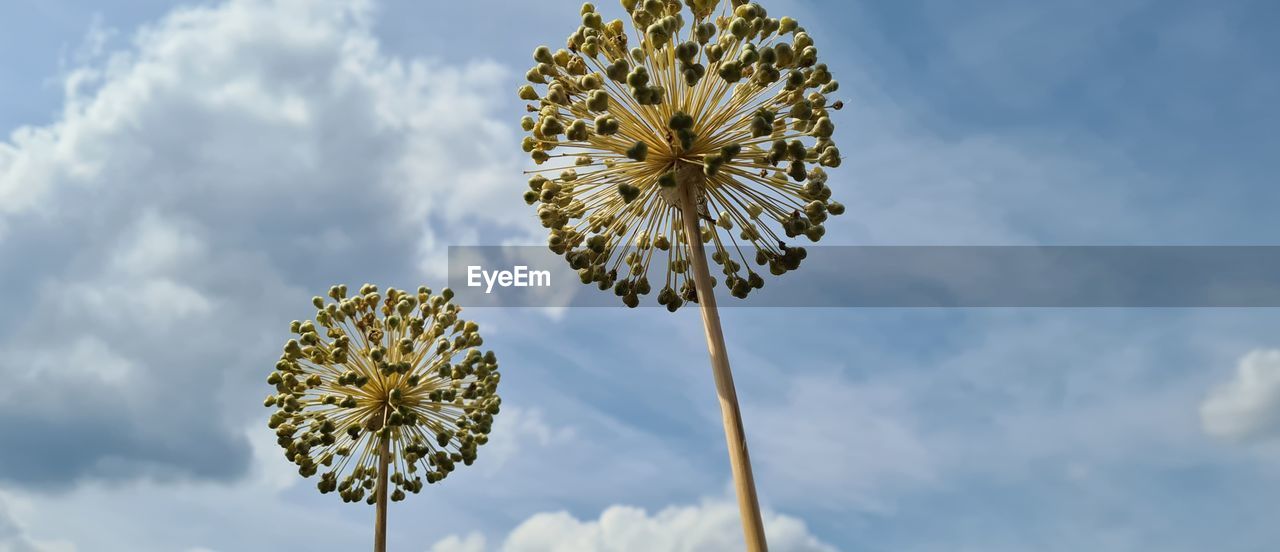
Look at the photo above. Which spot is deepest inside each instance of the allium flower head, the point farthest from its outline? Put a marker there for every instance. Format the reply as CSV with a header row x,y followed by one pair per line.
x,y
713,95
397,368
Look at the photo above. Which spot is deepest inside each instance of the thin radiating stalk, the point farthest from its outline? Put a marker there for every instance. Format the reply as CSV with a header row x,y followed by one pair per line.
x,y
735,437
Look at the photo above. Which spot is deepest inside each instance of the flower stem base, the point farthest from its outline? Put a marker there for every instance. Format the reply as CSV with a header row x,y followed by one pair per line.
x,y
735,437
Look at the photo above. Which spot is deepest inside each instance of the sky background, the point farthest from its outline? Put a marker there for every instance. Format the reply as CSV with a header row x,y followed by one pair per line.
x,y
178,179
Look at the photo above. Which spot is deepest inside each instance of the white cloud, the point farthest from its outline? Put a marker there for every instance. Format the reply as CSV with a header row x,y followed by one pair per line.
x,y
712,526
473,542
198,187
14,537
518,431
1247,407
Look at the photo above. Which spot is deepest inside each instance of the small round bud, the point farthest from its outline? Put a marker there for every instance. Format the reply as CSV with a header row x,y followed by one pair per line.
x,y
667,179
639,151
628,192
542,54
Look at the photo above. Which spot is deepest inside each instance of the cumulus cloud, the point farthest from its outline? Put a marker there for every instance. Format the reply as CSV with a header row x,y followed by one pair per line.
x,y
712,526
1247,407
198,186
519,430
13,537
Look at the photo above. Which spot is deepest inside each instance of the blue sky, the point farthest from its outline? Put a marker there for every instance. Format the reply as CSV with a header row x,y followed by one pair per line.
x,y
177,180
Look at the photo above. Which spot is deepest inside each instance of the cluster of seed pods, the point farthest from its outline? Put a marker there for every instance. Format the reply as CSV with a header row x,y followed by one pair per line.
x,y
397,368
712,94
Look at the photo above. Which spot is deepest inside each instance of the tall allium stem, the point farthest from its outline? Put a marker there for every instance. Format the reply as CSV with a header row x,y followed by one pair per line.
x,y
698,110
735,437
380,520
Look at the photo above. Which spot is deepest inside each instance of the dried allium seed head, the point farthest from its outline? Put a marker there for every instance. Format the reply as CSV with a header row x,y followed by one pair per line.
x,y
712,95
400,368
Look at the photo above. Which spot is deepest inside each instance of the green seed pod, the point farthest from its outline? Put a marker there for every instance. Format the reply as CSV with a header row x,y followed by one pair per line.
x,y
796,150
577,131
590,81
714,53
768,55
667,179
639,151
823,128
551,127
542,54
693,73
747,11
711,164
830,157
765,74
769,27
598,100
727,153
808,56
638,78
802,110
561,57
628,192
787,25
662,243
686,137
557,95
784,54
730,71
658,35
674,304
761,126
618,70
528,93
725,221
687,51
704,32
679,121
606,125
802,40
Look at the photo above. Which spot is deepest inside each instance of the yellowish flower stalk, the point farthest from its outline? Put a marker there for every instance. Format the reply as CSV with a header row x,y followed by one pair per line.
x,y
703,123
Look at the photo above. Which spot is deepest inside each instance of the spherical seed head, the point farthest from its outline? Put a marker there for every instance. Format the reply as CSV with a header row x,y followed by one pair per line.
x,y
374,371
708,99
